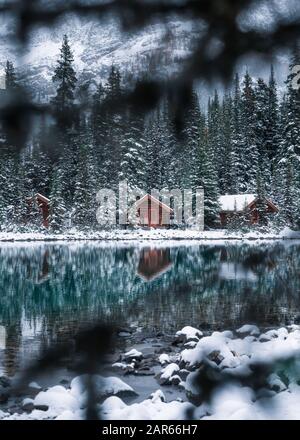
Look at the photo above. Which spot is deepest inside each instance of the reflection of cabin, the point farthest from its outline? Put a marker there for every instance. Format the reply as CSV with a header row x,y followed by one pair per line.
x,y
243,205
153,263
152,212
42,203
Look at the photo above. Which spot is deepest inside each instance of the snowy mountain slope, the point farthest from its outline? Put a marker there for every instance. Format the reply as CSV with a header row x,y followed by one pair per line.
x,y
96,46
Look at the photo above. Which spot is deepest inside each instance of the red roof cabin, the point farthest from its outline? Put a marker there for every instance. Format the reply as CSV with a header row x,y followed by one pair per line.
x,y
42,203
152,213
243,205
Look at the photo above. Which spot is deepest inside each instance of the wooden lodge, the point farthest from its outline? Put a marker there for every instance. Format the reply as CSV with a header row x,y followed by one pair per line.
x,y
42,203
243,205
152,213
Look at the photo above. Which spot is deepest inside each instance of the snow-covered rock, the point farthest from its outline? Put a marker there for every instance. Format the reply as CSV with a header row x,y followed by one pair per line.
x,y
252,330
166,373
158,396
58,399
133,354
279,399
164,358
104,386
188,334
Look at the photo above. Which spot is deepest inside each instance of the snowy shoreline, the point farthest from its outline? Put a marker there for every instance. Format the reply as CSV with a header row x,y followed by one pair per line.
x,y
173,363
149,235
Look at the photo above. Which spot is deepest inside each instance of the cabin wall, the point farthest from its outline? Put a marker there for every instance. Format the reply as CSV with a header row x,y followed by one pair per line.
x,y
151,214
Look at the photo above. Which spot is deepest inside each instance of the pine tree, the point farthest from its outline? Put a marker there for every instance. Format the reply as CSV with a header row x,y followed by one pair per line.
x,y
273,132
58,211
248,128
291,146
84,200
156,138
189,154
226,165
238,160
133,150
278,169
209,177
214,131
65,78
261,199
114,128
262,134
10,76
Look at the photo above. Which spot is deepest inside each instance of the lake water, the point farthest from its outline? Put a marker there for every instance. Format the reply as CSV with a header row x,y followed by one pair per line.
x,y
48,291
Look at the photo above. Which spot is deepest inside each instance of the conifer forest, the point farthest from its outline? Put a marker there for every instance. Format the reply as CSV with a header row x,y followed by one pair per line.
x,y
243,140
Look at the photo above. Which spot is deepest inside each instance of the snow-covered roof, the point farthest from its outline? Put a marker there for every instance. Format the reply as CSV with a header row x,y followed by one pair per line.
x,y
153,200
40,196
236,202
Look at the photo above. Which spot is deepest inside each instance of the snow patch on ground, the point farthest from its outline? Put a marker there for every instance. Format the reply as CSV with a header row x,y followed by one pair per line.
x,y
228,351
149,234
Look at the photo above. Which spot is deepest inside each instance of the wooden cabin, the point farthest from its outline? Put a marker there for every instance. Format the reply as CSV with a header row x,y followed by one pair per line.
x,y
153,263
152,212
42,203
243,205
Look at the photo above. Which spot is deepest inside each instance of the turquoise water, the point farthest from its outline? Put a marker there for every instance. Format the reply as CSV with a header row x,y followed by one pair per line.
x,y
48,291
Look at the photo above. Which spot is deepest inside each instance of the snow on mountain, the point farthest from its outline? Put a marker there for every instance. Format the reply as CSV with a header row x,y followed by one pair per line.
x,y
96,46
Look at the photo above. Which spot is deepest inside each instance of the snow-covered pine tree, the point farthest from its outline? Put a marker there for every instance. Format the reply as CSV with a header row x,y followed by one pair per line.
x,y
227,170
214,132
163,167
83,207
291,145
81,198
289,208
237,153
261,198
273,132
156,138
249,153
58,211
172,146
209,177
113,125
262,135
278,169
133,151
65,78
10,77
189,153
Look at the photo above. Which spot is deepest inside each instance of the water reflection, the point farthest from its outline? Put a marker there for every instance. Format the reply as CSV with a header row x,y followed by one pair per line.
x,y
153,263
48,291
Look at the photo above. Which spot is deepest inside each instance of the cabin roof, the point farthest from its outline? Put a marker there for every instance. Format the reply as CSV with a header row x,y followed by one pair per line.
x,y
238,202
153,200
43,198
39,197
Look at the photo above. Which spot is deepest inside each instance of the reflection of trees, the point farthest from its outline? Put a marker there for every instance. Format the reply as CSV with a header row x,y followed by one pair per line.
x,y
63,285
12,346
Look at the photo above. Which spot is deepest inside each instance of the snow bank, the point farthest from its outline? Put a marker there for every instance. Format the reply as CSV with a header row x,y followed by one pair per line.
x,y
149,234
227,351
